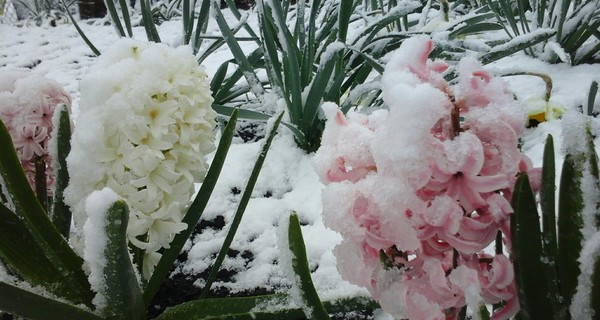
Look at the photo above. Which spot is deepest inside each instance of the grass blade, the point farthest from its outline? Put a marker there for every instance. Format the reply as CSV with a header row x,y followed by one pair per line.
x,y
194,212
302,270
242,207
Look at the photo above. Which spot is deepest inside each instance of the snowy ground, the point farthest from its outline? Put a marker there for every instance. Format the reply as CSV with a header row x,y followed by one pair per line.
x,y
288,181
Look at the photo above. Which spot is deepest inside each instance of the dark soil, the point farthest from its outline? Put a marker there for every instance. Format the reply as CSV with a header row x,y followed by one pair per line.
x,y
180,288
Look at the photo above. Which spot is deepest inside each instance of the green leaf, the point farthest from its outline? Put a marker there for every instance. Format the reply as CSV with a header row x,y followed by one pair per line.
x,y
23,255
595,294
470,29
570,223
126,17
548,206
267,307
243,113
290,63
201,25
346,8
302,270
81,33
236,13
187,18
32,306
592,97
237,218
36,221
148,21
114,17
123,292
245,65
225,92
194,212
515,45
530,272
61,213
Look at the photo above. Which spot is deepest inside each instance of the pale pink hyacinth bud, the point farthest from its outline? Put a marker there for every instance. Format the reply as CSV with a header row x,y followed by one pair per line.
x,y
27,104
420,192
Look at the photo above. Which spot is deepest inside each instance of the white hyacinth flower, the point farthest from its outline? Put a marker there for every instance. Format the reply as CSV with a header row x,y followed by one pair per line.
x,y
144,127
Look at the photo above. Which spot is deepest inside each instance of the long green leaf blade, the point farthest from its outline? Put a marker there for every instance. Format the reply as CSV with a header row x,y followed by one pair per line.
x,y
194,212
123,292
149,25
549,237
114,17
592,97
570,223
530,272
201,25
234,46
23,254
37,222
302,270
242,207
81,33
33,306
61,213
270,307
126,17
595,293
516,44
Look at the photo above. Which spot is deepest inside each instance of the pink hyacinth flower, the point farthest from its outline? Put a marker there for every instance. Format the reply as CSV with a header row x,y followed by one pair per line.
x,y
458,173
27,103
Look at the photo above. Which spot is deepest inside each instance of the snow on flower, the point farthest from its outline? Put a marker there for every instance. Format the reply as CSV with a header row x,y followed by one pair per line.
x,y
144,127
418,191
27,104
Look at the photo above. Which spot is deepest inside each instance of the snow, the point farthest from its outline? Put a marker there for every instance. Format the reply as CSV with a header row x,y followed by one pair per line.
x,y
288,175
580,307
96,242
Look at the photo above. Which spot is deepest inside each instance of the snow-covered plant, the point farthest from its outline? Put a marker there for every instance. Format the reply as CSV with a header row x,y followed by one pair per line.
x,y
562,257
144,127
571,26
27,106
419,191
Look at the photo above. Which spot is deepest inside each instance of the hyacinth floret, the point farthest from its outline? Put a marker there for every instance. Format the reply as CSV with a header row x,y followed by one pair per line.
x,y
27,104
419,191
144,128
